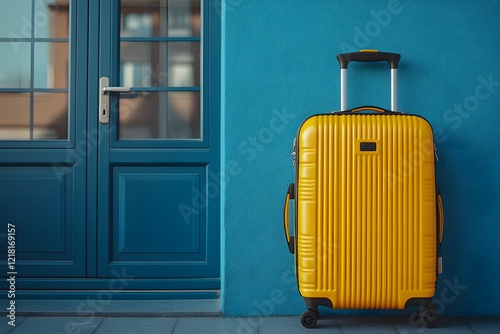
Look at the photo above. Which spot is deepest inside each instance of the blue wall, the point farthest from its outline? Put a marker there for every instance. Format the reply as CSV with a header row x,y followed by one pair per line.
x,y
279,67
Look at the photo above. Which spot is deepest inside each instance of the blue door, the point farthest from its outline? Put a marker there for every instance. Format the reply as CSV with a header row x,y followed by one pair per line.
x,y
158,209
128,184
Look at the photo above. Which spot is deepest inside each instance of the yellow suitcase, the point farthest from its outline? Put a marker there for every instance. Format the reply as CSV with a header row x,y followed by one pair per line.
x,y
368,217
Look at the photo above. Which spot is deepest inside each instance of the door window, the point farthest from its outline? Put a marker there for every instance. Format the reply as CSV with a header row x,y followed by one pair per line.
x,y
34,60
160,58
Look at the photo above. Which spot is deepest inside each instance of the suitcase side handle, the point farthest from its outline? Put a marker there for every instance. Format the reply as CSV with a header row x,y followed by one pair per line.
x,y
441,219
290,194
369,56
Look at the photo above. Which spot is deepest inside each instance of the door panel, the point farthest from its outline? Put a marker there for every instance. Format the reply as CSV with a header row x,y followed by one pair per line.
x,y
148,209
40,204
149,224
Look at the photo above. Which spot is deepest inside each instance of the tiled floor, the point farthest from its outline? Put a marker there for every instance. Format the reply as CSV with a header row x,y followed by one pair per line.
x,y
217,325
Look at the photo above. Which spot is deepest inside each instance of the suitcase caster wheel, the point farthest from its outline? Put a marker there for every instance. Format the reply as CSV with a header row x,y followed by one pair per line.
x,y
309,318
427,316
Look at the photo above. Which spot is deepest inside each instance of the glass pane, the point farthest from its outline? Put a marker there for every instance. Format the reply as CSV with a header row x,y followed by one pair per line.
x,y
137,25
143,64
150,18
15,18
184,18
183,64
15,65
160,115
15,116
183,115
50,116
143,19
51,18
51,65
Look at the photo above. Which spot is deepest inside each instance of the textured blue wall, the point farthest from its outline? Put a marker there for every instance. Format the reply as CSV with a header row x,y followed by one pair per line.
x,y
280,67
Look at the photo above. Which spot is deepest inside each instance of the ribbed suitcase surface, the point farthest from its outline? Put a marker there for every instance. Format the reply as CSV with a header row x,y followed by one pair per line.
x,y
366,210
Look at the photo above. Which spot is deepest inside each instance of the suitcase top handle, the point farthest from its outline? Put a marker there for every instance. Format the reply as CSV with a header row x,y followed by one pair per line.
x,y
372,108
369,56
367,108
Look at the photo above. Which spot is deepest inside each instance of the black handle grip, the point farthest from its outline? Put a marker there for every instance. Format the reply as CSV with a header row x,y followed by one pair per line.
x,y
369,57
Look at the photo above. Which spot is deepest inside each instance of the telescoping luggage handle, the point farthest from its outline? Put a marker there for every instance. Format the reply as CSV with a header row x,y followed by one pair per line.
x,y
369,56
290,194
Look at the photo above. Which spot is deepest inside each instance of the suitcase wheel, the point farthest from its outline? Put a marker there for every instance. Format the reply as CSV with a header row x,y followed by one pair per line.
x,y
309,318
427,316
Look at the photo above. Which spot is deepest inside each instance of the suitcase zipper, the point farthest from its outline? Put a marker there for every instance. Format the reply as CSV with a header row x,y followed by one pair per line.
x,y
436,152
294,153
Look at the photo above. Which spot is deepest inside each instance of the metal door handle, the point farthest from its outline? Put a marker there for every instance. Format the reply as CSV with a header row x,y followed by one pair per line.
x,y
104,89
116,89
